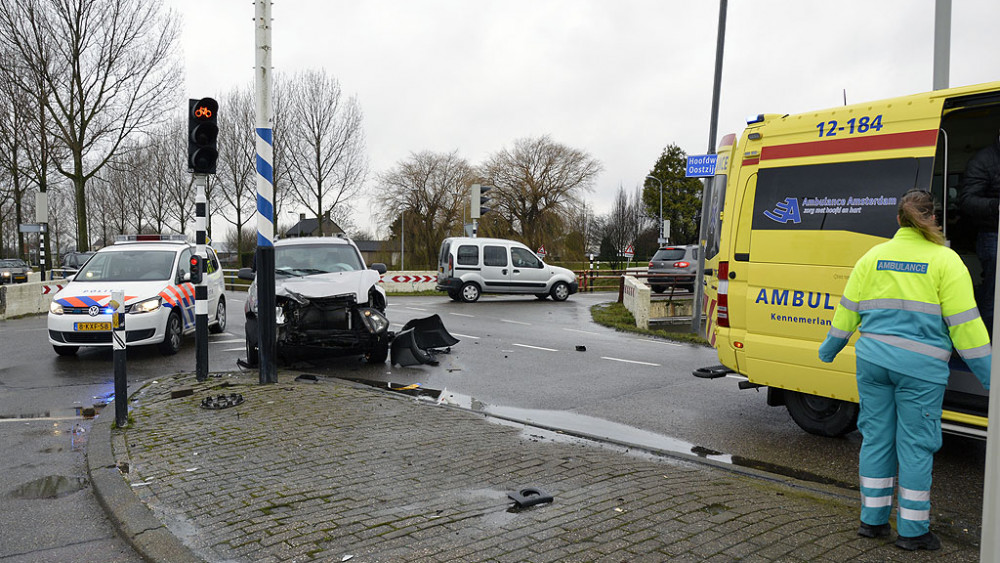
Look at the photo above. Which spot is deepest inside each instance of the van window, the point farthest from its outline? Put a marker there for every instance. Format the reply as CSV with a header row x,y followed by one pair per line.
x,y
468,255
524,258
445,248
494,256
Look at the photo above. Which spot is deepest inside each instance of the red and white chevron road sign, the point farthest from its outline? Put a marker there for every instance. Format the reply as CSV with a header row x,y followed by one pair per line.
x,y
46,289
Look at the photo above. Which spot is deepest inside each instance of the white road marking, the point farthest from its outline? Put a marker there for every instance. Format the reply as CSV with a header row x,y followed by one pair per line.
x,y
582,331
736,376
535,347
662,342
235,350
416,309
465,335
463,315
514,322
630,361
224,341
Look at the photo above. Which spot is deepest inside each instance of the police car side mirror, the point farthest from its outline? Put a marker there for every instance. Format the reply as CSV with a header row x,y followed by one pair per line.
x,y
245,274
379,267
186,276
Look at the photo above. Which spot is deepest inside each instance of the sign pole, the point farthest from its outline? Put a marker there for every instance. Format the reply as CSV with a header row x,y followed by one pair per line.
x,y
989,546
266,326
118,357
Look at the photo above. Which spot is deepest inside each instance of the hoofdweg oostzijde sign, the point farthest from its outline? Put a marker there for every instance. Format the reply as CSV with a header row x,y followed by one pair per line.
x,y
700,165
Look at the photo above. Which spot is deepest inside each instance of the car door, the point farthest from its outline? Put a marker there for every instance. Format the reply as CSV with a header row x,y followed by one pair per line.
x,y
496,268
213,279
528,272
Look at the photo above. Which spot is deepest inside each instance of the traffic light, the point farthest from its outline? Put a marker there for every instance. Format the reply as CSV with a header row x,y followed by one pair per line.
x,y
196,268
203,130
478,200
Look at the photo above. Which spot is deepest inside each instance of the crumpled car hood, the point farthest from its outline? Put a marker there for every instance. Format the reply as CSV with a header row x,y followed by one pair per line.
x,y
327,285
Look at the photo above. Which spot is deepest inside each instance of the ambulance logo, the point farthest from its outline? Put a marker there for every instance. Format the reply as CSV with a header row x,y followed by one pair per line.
x,y
785,211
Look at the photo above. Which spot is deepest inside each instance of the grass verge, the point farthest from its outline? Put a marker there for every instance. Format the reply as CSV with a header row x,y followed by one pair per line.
x,y
616,316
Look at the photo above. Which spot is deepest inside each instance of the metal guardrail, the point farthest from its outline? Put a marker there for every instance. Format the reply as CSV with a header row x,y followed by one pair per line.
x,y
234,283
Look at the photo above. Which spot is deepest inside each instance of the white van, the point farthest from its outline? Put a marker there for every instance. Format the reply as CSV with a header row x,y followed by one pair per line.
x,y
469,267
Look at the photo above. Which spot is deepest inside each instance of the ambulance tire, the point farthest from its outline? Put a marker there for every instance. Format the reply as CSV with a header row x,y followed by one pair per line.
x,y
822,416
220,318
172,335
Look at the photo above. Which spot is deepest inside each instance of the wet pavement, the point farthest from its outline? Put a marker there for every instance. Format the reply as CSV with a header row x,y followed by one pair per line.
x,y
322,469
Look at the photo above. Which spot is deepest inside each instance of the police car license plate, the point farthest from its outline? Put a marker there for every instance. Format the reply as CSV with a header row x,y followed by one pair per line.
x,y
91,326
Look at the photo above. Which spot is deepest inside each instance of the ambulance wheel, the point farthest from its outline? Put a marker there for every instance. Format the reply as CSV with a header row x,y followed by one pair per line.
x,y
172,335
65,350
470,292
220,318
821,416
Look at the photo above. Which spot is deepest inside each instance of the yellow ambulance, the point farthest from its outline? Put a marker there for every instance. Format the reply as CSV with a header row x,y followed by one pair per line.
x,y
796,200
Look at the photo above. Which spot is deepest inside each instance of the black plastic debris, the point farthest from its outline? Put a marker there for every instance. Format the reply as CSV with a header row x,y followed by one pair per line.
x,y
307,378
404,350
581,348
222,401
177,394
429,332
529,496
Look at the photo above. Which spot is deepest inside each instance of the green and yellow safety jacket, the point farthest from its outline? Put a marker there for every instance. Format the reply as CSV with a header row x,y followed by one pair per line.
x,y
913,299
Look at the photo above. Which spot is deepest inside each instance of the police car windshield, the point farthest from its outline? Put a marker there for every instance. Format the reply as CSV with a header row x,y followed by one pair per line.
x,y
312,259
128,265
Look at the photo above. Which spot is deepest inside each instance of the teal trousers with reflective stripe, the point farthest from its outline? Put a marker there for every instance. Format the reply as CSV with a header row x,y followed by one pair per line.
x,y
900,424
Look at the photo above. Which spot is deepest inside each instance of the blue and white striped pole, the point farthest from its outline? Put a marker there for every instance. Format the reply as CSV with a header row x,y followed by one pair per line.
x,y
266,327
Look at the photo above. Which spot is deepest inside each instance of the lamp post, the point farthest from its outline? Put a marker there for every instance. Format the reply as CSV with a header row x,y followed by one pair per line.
x,y
660,228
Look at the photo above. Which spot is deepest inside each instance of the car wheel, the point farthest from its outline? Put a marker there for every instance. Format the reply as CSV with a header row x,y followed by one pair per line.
x,y
542,296
220,318
172,335
470,292
821,416
253,354
65,350
379,354
658,288
455,296
560,291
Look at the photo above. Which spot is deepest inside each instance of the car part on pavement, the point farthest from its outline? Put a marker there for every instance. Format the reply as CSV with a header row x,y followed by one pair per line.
x,y
222,401
529,496
430,333
405,351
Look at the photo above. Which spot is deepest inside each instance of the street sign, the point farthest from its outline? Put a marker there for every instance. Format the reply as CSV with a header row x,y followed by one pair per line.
x,y
31,228
541,252
629,252
700,165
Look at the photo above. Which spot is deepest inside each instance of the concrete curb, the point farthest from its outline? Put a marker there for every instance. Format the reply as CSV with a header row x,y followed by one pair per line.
x,y
133,520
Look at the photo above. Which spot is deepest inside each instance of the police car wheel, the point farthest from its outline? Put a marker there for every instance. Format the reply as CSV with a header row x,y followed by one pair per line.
x,y
560,291
220,318
171,336
821,416
66,350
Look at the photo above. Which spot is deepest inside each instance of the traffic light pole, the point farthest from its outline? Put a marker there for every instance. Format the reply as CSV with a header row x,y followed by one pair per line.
x,y
266,326
201,288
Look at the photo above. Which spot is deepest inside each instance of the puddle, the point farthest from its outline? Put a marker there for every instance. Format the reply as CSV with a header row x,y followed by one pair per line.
x,y
51,487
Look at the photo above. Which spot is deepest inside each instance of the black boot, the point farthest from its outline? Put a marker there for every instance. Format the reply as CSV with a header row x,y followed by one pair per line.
x,y
927,541
874,530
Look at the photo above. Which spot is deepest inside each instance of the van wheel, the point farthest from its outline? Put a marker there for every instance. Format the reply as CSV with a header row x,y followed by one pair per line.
x,y
455,296
821,416
560,291
172,335
542,296
470,292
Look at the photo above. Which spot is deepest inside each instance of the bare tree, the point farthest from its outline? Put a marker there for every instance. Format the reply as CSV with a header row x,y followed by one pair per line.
x,y
236,176
326,156
622,225
107,67
537,182
173,170
423,197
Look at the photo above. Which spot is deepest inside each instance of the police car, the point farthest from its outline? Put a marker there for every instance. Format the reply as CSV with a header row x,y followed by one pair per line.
x,y
154,273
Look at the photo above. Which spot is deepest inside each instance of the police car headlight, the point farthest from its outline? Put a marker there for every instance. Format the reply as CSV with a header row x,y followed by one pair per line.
x,y
6,274
55,308
147,306
374,321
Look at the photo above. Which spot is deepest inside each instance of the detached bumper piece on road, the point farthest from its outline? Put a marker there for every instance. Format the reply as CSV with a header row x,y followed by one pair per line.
x,y
419,340
711,372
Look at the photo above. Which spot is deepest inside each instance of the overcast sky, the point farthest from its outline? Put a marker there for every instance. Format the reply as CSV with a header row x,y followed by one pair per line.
x,y
620,79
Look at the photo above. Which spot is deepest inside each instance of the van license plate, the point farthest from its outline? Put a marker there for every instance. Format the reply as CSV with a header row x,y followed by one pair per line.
x,y
91,326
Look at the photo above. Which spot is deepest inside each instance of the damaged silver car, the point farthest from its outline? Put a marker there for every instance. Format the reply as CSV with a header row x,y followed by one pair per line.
x,y
327,302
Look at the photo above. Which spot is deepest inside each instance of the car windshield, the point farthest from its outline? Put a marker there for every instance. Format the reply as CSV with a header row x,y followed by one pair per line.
x,y
129,265
311,259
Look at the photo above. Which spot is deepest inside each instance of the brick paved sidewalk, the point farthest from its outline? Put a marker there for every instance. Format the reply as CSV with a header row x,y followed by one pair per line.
x,y
334,471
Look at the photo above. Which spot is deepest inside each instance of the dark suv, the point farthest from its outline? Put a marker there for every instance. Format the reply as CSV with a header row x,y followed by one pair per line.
x,y
73,261
673,266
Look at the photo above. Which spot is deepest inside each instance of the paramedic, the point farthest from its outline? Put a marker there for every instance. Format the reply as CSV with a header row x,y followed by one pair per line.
x,y
979,200
912,297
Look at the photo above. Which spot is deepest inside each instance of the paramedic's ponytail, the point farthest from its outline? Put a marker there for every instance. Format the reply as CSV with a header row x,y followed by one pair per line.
x,y
916,209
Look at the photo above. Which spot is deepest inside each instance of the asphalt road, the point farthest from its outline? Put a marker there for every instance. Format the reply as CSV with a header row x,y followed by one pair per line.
x,y
518,358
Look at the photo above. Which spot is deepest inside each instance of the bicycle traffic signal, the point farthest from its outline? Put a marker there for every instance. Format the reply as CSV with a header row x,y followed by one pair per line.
x,y
203,131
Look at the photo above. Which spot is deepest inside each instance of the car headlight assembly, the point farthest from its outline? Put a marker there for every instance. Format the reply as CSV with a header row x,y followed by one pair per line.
x,y
374,321
146,306
55,308
279,315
